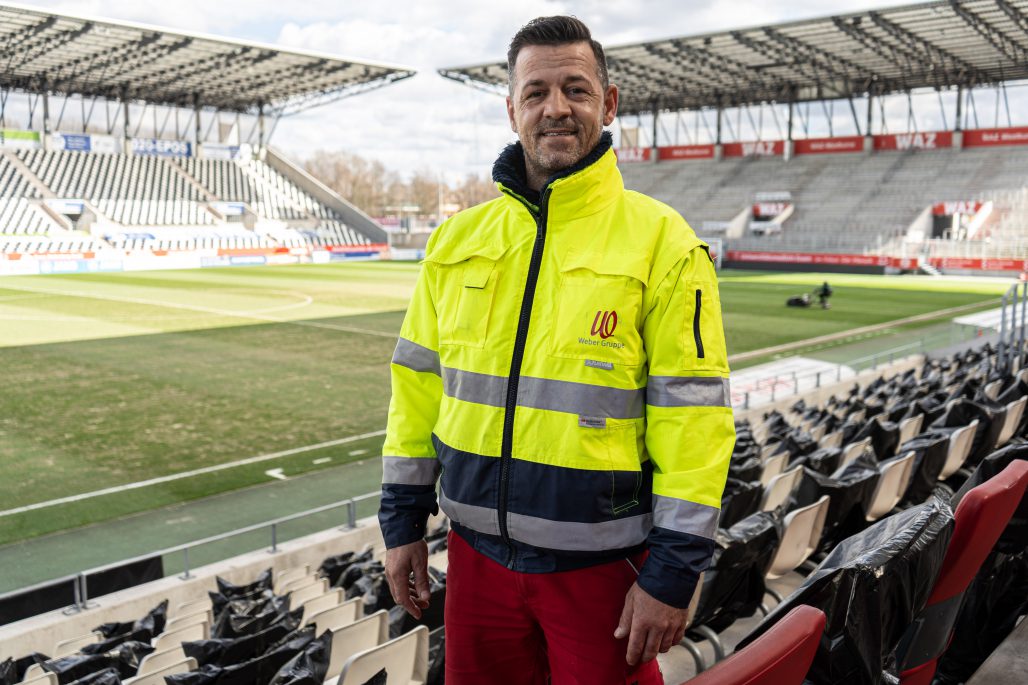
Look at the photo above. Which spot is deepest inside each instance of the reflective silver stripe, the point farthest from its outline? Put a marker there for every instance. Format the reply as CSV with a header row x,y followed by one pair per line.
x,y
688,391
580,398
480,388
685,517
410,470
483,519
543,393
416,357
573,536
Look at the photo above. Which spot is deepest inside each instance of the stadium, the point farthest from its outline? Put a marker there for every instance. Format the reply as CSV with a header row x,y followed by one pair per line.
x,y
196,333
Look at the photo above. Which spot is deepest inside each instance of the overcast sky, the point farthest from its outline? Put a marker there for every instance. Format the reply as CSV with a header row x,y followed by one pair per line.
x,y
428,122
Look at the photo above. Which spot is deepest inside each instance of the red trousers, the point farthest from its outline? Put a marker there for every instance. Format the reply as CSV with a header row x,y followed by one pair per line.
x,y
509,628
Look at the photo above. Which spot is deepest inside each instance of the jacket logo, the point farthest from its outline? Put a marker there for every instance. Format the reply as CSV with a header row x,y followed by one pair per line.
x,y
604,324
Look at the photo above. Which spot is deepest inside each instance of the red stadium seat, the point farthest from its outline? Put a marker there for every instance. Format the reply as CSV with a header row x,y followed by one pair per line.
x,y
781,656
979,520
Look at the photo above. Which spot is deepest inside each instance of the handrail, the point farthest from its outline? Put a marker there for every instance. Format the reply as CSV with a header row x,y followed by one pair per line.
x,y
79,579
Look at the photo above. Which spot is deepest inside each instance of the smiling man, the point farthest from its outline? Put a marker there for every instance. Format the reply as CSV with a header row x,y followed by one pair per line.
x,y
562,373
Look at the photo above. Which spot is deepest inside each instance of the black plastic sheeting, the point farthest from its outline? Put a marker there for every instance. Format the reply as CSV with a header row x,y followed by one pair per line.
x,y
228,651
733,585
739,499
310,666
380,678
849,494
108,676
368,582
998,595
824,460
20,604
124,659
436,657
961,413
884,436
871,586
125,576
9,672
335,567
930,450
257,671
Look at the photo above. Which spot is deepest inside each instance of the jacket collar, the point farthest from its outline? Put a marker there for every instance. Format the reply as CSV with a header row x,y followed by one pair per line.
x,y
580,190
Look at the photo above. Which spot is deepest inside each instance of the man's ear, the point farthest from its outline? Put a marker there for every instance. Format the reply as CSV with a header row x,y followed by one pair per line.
x,y
510,115
610,104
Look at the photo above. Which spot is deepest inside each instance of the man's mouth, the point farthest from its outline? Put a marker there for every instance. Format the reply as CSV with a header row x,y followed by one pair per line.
x,y
554,134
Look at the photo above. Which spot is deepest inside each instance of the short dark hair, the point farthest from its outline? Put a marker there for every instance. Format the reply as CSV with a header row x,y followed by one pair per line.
x,y
555,31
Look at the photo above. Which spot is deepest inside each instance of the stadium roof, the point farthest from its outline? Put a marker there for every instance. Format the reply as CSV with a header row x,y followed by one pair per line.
x,y
932,44
59,53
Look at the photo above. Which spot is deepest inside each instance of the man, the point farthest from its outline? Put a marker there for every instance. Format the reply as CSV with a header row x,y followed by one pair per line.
x,y
563,364
823,293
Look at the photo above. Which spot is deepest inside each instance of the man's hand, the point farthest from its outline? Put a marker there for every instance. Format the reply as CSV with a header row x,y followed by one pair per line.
x,y
406,569
650,625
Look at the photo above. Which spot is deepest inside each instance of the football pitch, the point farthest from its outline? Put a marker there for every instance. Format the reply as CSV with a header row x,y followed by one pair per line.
x,y
164,387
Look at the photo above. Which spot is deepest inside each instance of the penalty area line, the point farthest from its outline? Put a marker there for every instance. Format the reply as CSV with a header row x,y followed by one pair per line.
x,y
187,474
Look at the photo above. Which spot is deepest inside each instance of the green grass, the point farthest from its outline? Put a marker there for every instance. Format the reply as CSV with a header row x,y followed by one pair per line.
x,y
111,379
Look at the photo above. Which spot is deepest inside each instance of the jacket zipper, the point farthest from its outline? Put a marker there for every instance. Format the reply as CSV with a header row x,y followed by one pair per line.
x,y
515,371
696,324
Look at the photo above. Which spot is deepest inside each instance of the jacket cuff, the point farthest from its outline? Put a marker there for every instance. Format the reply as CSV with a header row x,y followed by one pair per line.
x,y
403,513
674,565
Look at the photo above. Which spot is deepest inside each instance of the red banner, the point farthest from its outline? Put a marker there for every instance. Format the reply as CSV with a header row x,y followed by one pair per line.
x,y
987,137
929,140
633,154
971,264
821,146
685,152
769,210
956,207
756,148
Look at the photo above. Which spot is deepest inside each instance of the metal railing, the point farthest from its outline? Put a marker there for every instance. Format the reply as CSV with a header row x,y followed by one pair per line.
x,y
80,579
793,381
1013,312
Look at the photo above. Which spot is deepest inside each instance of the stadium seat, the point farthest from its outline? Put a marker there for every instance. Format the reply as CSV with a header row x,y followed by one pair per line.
x,y
908,428
781,487
289,575
183,620
40,679
800,537
831,440
73,644
359,636
189,633
853,450
155,661
300,596
180,622
893,480
979,520
992,390
772,467
157,677
405,660
297,583
960,442
192,607
326,602
782,656
1011,420
767,450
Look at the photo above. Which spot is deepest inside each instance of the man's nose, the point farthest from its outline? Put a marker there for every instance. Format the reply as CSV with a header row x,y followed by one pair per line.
x,y
557,105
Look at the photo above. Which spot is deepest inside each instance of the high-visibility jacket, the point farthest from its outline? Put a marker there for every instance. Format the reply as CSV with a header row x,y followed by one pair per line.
x,y
562,364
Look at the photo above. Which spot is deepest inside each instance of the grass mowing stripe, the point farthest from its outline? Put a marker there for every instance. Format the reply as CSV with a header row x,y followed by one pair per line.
x,y
188,474
205,310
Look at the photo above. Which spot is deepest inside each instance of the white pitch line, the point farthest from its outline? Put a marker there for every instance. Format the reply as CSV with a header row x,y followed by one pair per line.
x,y
204,310
186,474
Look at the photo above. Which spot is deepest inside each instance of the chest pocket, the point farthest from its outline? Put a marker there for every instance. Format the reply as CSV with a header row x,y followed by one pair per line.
x,y
599,308
465,288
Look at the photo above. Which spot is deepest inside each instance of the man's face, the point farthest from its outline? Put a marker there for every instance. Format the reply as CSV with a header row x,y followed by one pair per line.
x,y
558,106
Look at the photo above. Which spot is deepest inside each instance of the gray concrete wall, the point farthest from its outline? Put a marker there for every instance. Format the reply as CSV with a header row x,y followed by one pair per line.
x,y
41,633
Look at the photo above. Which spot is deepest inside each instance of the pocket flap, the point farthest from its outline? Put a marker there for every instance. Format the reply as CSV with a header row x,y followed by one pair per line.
x,y
457,252
477,271
623,263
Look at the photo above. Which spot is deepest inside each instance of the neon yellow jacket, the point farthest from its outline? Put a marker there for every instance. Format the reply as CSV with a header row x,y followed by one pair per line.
x,y
563,365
